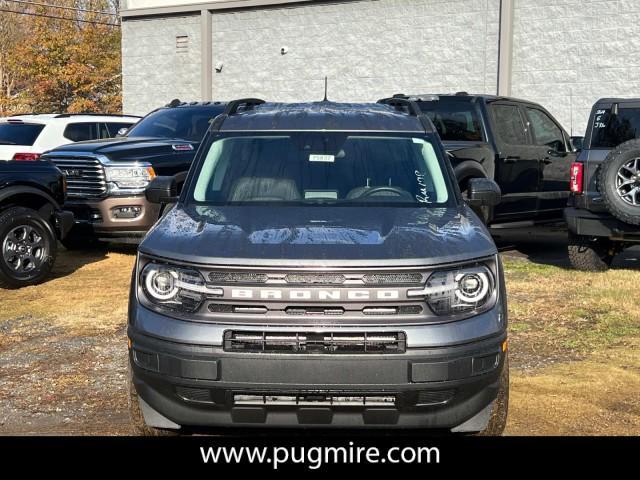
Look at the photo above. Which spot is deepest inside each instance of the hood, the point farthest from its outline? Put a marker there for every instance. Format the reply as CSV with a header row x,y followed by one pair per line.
x,y
318,236
131,148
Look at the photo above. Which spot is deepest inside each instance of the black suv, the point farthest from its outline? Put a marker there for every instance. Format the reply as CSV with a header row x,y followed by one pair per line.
x,y
31,220
604,208
514,142
107,177
319,269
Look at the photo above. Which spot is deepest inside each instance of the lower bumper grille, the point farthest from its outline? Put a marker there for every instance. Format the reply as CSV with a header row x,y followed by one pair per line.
x,y
315,400
314,342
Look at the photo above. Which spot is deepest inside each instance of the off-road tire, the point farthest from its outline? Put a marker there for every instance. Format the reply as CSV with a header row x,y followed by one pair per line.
x,y
606,181
13,218
590,254
498,420
135,413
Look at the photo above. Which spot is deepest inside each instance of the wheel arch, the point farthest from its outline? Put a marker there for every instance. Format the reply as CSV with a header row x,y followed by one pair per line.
x,y
29,197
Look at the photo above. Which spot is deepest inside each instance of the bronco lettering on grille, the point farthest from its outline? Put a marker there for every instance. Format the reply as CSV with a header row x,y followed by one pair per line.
x,y
313,294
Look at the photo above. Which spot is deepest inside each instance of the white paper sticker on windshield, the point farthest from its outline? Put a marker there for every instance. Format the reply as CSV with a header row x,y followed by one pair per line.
x,y
322,158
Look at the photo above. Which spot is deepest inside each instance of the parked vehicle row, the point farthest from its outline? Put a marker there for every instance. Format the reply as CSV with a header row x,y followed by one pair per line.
x,y
514,142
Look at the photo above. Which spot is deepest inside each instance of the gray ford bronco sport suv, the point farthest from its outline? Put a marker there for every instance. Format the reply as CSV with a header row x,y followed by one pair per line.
x,y
603,214
319,269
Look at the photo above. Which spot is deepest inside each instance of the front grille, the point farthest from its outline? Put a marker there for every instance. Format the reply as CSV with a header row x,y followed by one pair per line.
x,y
85,176
315,279
314,400
314,342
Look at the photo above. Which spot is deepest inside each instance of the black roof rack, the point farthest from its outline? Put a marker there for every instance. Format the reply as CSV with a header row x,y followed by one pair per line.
x,y
91,114
399,101
232,108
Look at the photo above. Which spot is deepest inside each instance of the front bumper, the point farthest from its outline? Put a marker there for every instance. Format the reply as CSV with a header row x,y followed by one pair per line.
x,y
599,224
100,219
440,382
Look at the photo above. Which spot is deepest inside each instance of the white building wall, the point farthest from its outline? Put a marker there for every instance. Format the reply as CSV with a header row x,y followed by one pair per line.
x,y
569,53
368,49
154,69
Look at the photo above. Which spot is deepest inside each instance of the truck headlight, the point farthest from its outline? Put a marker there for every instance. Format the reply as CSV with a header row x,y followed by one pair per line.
x,y
459,291
123,178
174,287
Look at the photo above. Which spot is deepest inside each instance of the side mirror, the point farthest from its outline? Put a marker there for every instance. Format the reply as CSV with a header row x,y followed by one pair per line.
x,y
577,143
122,132
483,192
162,190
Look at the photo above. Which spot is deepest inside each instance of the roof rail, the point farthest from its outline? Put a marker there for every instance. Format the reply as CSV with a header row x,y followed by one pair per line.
x,y
399,101
92,114
232,108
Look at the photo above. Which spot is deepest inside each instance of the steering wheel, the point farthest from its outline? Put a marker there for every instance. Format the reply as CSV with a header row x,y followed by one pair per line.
x,y
395,190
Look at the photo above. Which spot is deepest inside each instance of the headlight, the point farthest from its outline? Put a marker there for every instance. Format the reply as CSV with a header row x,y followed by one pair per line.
x,y
459,291
128,177
174,288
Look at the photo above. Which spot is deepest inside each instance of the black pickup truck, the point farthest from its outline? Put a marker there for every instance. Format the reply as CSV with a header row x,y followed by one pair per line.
x,y
31,220
107,177
514,142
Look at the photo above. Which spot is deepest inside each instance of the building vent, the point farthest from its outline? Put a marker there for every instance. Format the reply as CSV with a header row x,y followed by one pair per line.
x,y
182,43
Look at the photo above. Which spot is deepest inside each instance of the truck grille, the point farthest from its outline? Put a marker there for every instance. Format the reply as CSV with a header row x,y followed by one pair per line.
x,y
314,342
85,176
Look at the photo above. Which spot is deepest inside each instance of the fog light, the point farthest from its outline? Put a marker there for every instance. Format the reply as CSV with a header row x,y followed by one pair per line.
x,y
127,212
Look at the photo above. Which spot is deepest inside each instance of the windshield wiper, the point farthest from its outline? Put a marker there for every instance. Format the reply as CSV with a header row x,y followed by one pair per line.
x,y
7,142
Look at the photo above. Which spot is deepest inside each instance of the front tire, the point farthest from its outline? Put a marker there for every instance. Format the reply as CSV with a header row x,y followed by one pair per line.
x,y
27,248
498,420
590,255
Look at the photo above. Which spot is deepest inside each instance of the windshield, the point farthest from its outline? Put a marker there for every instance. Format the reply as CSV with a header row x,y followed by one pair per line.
x,y
19,133
180,123
611,130
314,168
455,119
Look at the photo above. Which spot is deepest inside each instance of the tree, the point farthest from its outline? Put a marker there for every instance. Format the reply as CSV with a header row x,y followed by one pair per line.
x,y
70,65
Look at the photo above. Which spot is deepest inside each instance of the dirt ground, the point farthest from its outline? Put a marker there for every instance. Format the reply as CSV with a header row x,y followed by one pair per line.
x,y
574,344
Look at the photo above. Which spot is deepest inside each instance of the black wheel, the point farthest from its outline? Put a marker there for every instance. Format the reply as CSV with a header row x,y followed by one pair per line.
x,y
77,239
27,246
590,254
498,420
619,182
135,413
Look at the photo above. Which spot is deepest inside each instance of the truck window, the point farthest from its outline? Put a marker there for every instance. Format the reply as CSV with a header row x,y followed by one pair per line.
x,y
509,125
545,131
455,120
114,127
611,130
81,131
19,133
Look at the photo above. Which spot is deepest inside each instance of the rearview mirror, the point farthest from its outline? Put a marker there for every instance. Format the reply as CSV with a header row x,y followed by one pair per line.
x,y
162,190
577,143
483,192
